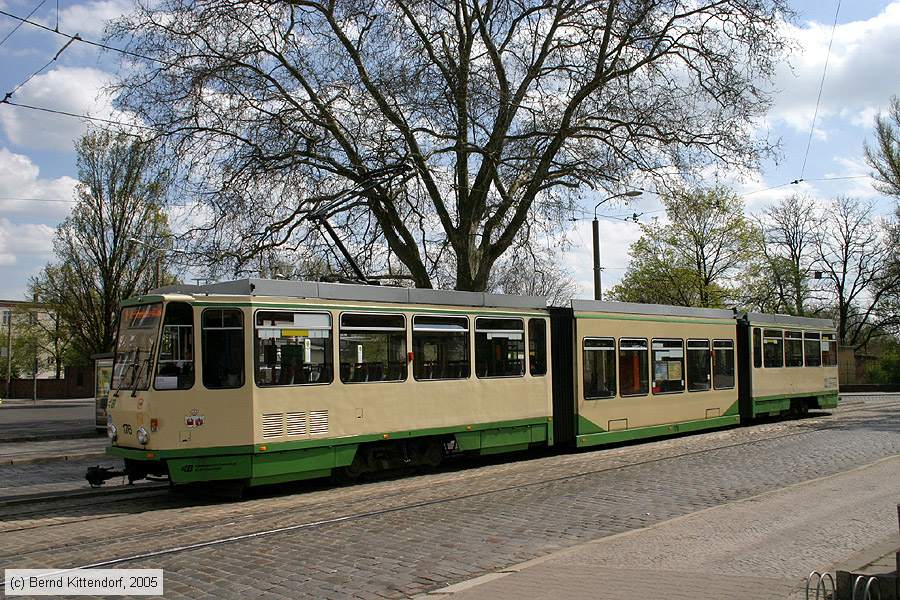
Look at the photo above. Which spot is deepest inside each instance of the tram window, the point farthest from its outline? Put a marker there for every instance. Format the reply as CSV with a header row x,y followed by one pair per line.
x,y
599,368
175,367
537,346
372,348
698,367
829,350
668,366
812,347
499,347
757,348
793,349
293,348
440,347
223,348
773,348
723,364
138,328
633,366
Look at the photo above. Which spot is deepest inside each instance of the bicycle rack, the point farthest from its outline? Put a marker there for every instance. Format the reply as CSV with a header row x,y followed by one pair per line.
x,y
866,591
820,579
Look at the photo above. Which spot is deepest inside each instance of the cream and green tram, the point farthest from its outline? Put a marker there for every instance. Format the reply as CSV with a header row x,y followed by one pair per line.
x,y
262,381
642,370
789,364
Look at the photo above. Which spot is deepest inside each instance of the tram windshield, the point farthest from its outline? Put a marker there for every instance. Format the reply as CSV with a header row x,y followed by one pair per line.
x,y
134,349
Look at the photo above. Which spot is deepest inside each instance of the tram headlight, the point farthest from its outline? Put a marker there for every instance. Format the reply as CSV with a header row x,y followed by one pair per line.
x,y
112,432
142,436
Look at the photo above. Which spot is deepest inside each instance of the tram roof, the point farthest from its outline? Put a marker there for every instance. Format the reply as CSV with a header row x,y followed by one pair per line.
x,y
358,293
768,319
633,308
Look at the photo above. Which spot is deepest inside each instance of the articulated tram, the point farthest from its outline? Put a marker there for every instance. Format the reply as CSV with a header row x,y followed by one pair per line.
x,y
258,381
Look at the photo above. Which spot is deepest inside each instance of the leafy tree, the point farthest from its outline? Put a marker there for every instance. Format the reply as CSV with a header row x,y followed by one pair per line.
x,y
884,157
886,370
38,331
695,257
431,133
108,247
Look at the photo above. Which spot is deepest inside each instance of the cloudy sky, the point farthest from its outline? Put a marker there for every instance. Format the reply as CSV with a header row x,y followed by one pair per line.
x,y
37,160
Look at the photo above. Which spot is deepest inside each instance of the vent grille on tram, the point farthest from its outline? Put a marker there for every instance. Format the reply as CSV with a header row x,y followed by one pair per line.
x,y
273,425
318,421
296,423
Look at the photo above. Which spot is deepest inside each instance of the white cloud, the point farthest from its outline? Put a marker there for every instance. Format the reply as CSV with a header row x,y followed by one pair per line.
x,y
18,240
89,19
863,56
75,90
23,192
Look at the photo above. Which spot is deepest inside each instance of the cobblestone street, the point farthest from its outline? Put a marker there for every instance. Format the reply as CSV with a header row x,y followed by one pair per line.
x,y
415,534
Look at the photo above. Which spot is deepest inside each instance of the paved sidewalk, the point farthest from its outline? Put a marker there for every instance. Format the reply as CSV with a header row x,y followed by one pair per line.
x,y
53,450
758,548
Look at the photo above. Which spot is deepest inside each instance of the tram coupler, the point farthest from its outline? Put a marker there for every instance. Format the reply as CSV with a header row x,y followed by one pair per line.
x,y
96,476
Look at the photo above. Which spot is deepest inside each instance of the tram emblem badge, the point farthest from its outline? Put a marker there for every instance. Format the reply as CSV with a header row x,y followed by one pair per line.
x,y
194,419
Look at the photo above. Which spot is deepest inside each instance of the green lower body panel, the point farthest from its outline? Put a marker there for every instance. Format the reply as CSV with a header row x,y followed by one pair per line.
x,y
292,461
309,463
611,437
776,405
209,468
828,400
504,439
771,406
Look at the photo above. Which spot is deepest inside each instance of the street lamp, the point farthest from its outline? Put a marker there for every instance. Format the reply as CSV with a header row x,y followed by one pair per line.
x,y
159,255
598,290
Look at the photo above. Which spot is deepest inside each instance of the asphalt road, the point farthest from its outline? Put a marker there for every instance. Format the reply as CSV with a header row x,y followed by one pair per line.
x,y
47,420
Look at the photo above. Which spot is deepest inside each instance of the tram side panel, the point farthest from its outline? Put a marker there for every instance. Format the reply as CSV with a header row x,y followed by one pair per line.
x,y
287,389
647,375
490,404
792,365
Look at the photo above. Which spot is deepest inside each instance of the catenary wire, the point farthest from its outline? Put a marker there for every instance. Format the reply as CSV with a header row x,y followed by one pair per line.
x,y
75,115
39,71
90,42
21,21
812,126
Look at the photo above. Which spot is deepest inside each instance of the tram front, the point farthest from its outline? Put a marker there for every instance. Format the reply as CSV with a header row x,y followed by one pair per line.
x,y
167,416
152,354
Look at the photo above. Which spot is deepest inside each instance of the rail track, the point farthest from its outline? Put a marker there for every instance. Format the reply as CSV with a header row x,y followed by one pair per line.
x,y
850,408
93,496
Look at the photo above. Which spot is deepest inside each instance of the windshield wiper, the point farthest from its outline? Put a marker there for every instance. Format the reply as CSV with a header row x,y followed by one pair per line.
x,y
147,361
130,368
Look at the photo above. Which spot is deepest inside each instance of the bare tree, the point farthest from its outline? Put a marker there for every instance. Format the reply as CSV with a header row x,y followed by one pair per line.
x,y
856,256
431,131
528,273
108,247
788,241
884,158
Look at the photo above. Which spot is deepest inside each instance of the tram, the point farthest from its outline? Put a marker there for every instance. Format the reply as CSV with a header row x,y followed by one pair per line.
x,y
258,381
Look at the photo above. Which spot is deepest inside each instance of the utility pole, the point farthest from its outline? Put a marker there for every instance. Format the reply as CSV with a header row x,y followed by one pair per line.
x,y
598,290
595,225
8,315
32,319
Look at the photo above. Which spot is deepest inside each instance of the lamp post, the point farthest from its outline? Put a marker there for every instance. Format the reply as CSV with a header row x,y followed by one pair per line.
x,y
595,225
158,261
